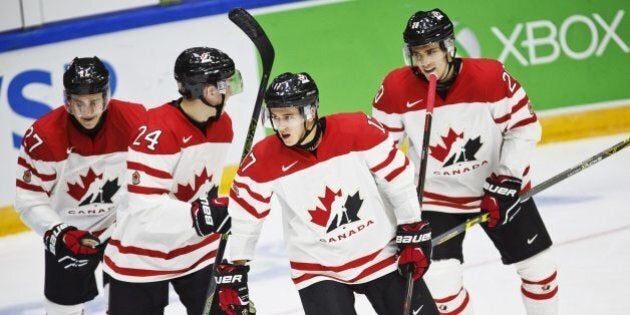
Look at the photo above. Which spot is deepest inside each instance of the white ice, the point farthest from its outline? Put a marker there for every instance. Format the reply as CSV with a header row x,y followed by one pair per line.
x,y
588,216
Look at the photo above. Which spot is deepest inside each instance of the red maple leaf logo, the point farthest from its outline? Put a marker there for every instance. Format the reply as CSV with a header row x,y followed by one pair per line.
x,y
320,216
78,190
186,192
440,152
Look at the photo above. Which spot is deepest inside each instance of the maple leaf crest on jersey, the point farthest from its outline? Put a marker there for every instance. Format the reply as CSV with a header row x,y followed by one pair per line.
x,y
80,188
186,192
103,194
454,150
343,213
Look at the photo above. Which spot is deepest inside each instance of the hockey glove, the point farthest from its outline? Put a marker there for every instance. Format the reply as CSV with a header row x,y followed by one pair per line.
x,y
232,289
501,199
73,248
414,248
210,216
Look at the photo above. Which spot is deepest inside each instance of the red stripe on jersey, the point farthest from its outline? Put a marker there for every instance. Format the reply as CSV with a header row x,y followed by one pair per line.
x,y
393,129
134,250
450,205
524,122
397,171
349,265
389,159
503,118
254,195
458,200
141,190
30,187
524,101
148,273
44,177
249,208
526,171
148,170
368,271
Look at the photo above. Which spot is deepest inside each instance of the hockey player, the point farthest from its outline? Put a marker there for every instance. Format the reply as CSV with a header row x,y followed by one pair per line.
x,y
483,134
69,176
350,210
176,159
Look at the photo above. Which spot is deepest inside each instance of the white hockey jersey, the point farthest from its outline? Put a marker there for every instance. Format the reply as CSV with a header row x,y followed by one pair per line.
x,y
486,124
64,175
340,206
171,163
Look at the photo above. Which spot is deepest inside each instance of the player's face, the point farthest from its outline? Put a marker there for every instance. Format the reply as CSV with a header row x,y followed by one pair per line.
x,y
430,58
288,123
87,109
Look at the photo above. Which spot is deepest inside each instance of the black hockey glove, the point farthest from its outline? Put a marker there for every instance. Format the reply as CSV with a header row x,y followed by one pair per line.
x,y
414,248
210,216
74,249
232,289
501,199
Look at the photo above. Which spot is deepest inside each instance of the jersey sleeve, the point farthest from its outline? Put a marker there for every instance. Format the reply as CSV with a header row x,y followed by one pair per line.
x,y
382,110
393,172
152,158
520,126
35,179
250,203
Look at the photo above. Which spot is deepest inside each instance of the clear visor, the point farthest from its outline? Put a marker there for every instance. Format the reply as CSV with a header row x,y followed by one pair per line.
x,y
232,85
86,106
286,118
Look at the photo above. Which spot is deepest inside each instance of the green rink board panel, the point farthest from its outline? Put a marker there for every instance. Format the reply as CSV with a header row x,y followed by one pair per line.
x,y
568,53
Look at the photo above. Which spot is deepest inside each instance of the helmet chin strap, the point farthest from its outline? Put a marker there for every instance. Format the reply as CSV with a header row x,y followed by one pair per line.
x,y
311,145
218,108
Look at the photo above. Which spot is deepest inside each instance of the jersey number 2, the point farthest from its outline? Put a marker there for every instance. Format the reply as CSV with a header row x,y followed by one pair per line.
x,y
151,137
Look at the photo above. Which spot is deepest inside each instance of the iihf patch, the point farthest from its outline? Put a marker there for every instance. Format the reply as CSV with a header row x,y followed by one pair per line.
x,y
235,191
27,176
135,178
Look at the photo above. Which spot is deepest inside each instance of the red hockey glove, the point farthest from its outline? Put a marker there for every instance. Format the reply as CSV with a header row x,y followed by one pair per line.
x,y
501,199
414,248
210,216
72,247
232,289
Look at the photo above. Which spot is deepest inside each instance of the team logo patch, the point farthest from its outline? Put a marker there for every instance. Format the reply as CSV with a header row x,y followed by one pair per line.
x,y
26,177
80,190
338,212
455,149
457,152
135,178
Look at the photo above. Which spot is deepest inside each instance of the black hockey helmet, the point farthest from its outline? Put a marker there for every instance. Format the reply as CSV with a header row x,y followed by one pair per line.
x,y
86,76
426,27
292,89
198,66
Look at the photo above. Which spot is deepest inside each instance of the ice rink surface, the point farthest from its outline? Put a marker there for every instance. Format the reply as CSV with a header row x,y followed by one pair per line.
x,y
588,216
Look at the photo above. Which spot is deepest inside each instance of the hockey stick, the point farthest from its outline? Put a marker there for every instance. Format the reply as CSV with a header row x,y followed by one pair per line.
x,y
254,31
428,119
538,188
